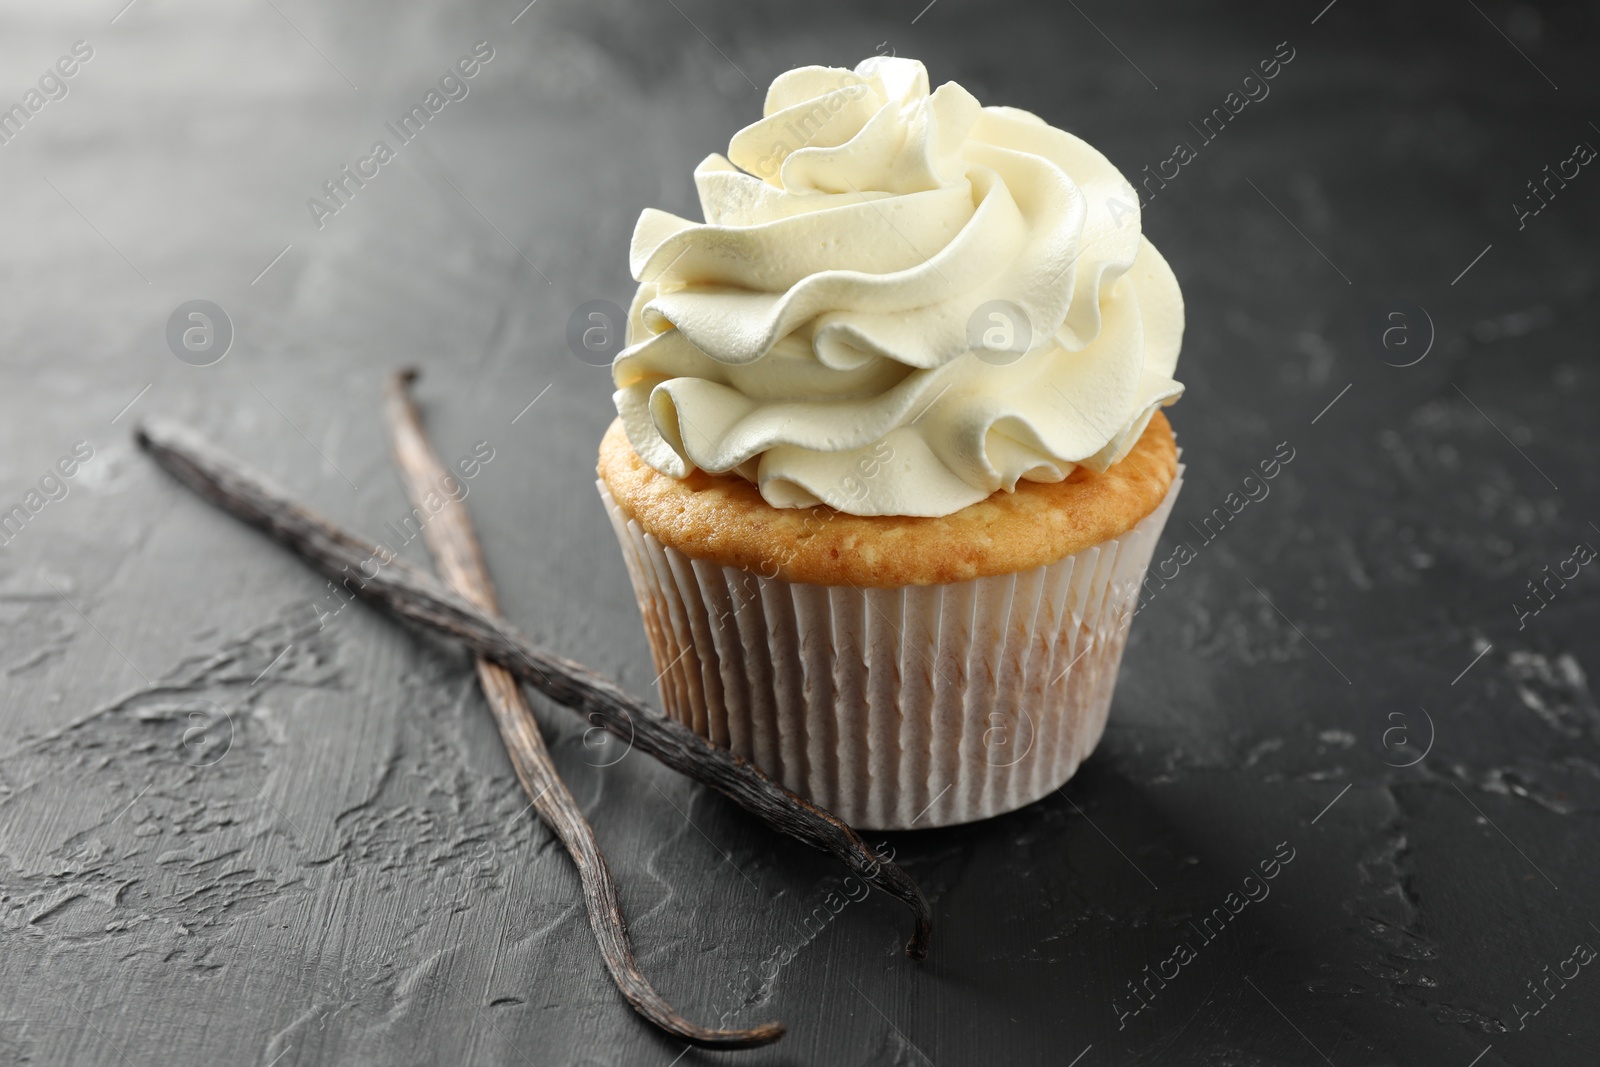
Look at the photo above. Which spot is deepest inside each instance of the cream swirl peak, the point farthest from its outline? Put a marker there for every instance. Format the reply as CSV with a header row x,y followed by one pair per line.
x,y
900,302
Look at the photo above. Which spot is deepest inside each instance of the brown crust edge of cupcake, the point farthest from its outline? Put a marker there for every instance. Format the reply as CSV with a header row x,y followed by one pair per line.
x,y
723,519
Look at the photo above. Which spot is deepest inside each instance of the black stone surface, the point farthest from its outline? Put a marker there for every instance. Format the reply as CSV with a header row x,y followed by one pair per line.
x,y
1341,675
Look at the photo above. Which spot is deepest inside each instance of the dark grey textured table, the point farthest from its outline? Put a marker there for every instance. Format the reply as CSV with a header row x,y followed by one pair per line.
x,y
233,831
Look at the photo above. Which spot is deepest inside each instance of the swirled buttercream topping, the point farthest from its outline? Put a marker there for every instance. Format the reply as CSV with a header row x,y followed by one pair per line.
x,y
900,302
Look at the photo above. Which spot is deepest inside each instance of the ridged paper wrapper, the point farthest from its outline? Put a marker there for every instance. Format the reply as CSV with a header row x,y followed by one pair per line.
x,y
896,709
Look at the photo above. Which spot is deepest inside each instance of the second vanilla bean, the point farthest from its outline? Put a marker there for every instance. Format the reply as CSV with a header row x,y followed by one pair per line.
x,y
450,537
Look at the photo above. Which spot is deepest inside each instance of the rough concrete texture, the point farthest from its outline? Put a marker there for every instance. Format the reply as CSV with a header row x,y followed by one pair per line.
x,y
234,832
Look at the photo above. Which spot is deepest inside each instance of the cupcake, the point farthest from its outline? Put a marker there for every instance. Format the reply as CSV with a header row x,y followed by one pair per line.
x,y
890,461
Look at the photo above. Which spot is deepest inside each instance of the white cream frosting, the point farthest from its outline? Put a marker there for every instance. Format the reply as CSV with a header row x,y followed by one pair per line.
x,y
815,334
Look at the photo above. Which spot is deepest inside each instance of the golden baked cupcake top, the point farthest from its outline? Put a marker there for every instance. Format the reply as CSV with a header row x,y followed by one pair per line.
x,y
723,519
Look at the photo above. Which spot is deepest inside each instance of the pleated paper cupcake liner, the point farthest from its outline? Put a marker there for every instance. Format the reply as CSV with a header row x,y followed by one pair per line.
x,y
896,708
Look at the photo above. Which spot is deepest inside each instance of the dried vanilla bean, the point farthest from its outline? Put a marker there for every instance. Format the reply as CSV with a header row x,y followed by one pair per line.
x,y
451,538
367,570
